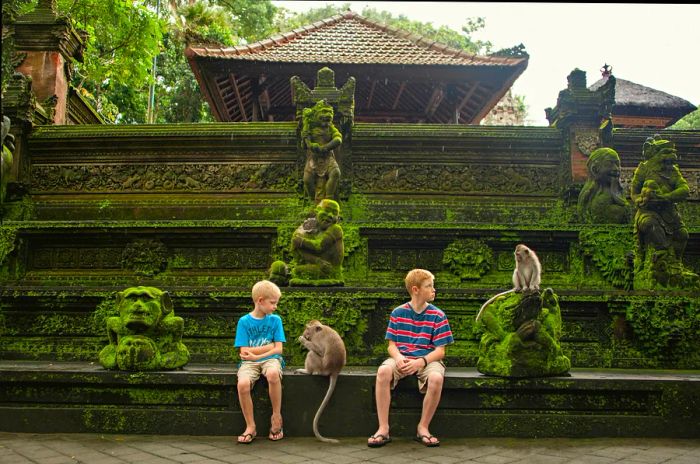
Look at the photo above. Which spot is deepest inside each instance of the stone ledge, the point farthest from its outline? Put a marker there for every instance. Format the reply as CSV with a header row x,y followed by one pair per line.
x,y
201,400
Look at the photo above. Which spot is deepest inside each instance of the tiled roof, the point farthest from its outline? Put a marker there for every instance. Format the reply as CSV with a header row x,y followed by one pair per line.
x,y
630,94
351,39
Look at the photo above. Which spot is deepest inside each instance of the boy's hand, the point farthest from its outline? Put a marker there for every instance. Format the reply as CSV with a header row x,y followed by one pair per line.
x,y
246,355
409,366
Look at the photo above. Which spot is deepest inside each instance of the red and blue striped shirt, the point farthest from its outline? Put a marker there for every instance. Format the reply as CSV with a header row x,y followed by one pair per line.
x,y
417,334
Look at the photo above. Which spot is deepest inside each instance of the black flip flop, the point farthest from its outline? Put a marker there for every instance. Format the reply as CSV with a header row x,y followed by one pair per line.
x,y
245,435
377,444
429,444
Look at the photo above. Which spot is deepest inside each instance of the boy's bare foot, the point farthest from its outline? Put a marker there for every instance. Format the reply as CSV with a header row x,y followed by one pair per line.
x,y
247,436
380,438
276,431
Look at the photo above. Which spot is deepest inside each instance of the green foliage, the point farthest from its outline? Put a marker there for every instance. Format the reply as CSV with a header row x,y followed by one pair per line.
x,y
7,241
612,251
690,121
122,39
667,329
222,23
106,309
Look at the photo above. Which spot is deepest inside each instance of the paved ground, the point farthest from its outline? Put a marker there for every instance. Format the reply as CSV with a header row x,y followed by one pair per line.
x,y
19,448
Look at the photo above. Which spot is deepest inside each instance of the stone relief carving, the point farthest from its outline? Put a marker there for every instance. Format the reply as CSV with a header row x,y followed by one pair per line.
x,y
145,257
587,141
471,178
155,178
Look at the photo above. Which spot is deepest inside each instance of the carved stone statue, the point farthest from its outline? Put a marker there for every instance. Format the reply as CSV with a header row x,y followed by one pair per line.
x,y
8,147
657,186
146,335
522,336
601,200
319,137
317,248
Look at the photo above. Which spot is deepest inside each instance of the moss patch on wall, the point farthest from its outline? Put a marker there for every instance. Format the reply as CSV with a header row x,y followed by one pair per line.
x,y
667,330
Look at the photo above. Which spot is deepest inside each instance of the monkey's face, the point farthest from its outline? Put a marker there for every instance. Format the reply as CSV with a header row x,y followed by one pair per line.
x,y
312,329
139,310
522,253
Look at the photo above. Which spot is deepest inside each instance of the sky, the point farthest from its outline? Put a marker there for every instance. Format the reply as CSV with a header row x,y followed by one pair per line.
x,y
655,45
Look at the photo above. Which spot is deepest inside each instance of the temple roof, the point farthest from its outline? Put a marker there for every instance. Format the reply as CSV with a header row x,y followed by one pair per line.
x,y
350,38
401,76
636,99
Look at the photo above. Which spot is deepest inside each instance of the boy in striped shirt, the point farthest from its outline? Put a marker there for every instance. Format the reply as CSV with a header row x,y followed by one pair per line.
x,y
417,333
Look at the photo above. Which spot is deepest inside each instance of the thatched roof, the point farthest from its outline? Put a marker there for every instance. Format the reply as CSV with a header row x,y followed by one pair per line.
x,y
638,100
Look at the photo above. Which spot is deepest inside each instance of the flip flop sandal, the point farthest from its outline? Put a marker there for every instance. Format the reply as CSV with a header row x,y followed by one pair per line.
x,y
384,439
430,444
246,440
279,434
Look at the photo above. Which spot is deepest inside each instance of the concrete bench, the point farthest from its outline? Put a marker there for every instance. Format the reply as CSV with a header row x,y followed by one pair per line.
x,y
202,400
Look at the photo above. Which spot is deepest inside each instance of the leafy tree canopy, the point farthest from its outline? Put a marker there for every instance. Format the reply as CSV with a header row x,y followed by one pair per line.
x,y
125,36
690,121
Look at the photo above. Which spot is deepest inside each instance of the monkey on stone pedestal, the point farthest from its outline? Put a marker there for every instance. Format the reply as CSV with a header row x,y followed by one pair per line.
x,y
526,276
326,356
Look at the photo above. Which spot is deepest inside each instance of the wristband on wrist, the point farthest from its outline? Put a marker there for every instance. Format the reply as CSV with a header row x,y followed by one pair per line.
x,y
425,361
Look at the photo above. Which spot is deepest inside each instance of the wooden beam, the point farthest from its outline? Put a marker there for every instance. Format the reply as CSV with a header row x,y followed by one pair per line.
x,y
434,101
398,95
466,97
410,93
234,83
371,93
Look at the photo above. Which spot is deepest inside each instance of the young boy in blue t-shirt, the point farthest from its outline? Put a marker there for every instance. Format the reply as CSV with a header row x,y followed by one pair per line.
x,y
417,333
259,336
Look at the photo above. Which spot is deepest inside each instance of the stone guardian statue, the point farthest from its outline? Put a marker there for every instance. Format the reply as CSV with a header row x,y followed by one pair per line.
x,y
657,187
601,200
146,335
320,137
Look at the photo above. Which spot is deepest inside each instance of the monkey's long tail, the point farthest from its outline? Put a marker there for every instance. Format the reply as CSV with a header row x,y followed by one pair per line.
x,y
478,316
329,393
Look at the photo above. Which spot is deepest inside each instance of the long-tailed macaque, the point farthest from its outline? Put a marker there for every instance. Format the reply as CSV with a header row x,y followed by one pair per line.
x,y
526,276
326,356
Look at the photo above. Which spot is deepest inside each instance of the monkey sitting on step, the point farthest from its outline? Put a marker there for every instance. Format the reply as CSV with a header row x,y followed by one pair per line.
x,y
326,356
526,276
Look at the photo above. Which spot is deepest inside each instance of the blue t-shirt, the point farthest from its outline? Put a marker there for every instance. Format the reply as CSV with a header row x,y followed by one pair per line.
x,y
253,332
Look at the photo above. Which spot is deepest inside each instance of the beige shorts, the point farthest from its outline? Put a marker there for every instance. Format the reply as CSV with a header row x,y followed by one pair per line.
x,y
434,366
253,369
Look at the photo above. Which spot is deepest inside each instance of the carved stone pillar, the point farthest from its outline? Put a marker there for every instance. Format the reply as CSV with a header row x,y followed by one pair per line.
x,y
47,43
584,116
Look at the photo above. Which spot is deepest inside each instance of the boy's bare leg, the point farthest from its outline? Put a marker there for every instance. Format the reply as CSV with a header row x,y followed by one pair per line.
x,y
383,398
246,401
274,385
430,404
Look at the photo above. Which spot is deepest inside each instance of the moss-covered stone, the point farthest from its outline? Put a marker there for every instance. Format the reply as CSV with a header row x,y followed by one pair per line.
x,y
146,335
521,336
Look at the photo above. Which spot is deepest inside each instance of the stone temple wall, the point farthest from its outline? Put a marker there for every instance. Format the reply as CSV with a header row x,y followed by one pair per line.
x,y
203,210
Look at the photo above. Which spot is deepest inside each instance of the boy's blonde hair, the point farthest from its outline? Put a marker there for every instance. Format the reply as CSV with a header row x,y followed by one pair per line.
x,y
417,277
265,289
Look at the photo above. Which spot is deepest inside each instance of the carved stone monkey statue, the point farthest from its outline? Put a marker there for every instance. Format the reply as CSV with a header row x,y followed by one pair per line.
x,y
146,335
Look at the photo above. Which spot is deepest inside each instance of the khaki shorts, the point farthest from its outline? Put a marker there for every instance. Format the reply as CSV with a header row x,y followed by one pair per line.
x,y
253,369
434,366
